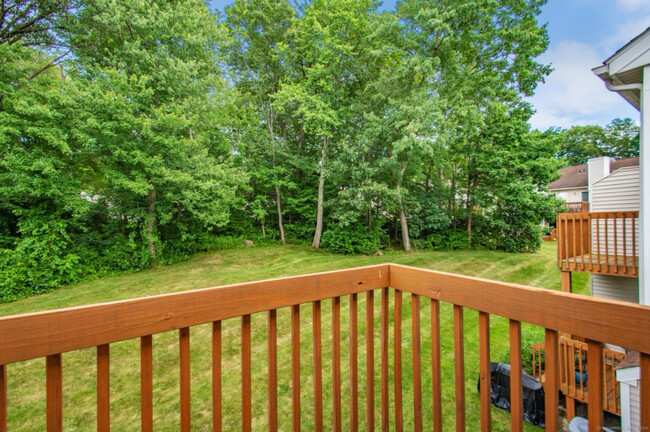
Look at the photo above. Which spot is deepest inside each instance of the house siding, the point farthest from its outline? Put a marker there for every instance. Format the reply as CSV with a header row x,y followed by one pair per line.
x,y
619,191
615,288
635,408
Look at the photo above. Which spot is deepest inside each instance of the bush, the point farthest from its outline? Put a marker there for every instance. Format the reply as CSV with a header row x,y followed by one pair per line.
x,y
443,241
527,342
40,262
354,239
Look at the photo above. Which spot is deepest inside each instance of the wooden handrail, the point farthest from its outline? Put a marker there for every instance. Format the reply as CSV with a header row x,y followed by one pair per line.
x,y
598,242
577,206
49,334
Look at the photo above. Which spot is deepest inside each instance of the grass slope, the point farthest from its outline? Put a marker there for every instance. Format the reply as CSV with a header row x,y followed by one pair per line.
x,y
26,379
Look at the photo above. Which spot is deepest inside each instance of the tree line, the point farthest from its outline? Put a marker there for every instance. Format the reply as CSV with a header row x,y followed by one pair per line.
x,y
136,132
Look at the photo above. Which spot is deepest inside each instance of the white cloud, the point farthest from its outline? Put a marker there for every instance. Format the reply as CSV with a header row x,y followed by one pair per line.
x,y
572,94
633,5
626,31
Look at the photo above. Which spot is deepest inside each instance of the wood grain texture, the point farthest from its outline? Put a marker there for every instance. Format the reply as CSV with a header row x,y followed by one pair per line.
x,y
595,385
516,391
54,393
246,382
384,360
436,379
571,313
416,354
397,361
551,383
184,360
146,384
336,364
295,368
3,398
459,368
103,389
272,346
485,378
370,361
217,395
23,337
318,365
354,359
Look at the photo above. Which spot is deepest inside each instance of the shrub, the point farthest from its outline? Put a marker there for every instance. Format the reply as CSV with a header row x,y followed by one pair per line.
x,y
354,239
527,342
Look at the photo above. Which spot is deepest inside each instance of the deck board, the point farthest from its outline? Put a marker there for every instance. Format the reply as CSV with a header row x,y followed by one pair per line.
x,y
603,264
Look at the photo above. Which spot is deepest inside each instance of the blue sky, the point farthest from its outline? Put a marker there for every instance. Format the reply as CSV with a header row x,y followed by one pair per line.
x,y
583,33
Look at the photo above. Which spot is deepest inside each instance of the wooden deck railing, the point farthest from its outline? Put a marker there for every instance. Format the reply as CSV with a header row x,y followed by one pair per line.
x,y
574,373
50,334
599,242
577,206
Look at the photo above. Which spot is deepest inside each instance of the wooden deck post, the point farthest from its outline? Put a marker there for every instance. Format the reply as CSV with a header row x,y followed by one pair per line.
x,y
566,281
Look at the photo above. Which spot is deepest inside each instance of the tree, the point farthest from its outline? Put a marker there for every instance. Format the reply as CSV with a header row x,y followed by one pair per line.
x,y
619,139
325,49
258,29
154,93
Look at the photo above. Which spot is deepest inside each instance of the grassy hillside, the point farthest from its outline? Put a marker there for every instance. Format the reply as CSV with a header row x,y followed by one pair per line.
x,y
26,379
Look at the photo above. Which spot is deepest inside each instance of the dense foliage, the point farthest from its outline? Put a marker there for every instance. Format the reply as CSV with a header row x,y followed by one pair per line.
x,y
136,132
619,139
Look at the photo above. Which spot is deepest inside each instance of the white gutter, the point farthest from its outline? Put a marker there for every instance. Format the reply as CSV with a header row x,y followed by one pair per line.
x,y
623,87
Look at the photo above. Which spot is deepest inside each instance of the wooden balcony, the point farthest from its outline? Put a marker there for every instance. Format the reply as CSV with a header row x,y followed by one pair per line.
x,y
394,370
577,206
599,242
574,374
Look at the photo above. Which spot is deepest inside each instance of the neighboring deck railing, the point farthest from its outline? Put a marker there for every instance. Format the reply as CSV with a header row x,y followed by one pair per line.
x,y
599,242
577,206
574,373
49,334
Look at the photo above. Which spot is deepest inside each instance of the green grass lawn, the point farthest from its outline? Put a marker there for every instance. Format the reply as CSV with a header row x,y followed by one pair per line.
x,y
26,383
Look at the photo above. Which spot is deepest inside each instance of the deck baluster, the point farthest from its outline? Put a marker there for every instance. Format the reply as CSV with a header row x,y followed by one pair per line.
x,y
216,377
295,368
370,361
485,373
397,360
318,365
146,383
103,389
459,368
436,381
54,389
246,390
551,380
336,363
3,398
417,367
186,407
516,392
354,379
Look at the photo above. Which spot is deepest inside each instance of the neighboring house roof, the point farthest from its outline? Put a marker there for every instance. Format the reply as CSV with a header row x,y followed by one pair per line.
x,y
572,177
575,176
626,67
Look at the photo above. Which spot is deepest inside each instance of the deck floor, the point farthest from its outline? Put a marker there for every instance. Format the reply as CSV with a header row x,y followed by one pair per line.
x,y
605,264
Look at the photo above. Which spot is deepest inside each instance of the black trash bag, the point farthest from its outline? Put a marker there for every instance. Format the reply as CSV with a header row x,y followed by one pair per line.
x,y
533,393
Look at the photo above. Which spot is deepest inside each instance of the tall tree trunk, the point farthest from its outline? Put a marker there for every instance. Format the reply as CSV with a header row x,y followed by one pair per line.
x,y
278,202
321,188
278,206
406,241
263,228
151,221
405,227
470,210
